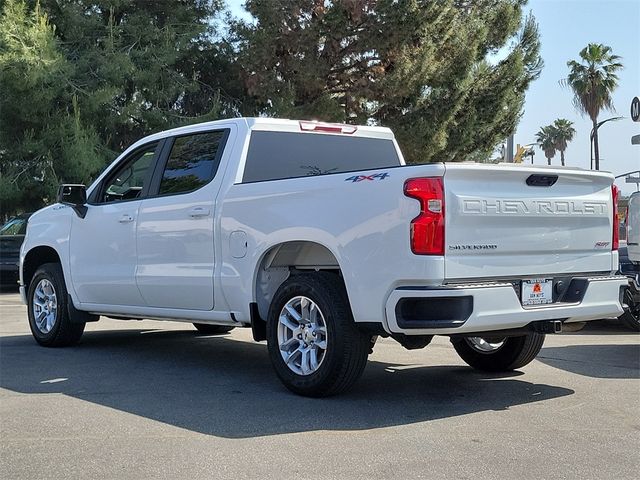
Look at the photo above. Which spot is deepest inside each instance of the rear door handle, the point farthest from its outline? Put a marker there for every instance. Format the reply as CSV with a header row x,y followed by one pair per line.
x,y
126,218
196,212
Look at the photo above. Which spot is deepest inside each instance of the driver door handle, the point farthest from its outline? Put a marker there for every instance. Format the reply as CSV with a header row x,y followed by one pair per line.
x,y
196,212
126,218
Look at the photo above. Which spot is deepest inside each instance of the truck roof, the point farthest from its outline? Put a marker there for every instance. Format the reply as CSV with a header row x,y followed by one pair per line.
x,y
277,125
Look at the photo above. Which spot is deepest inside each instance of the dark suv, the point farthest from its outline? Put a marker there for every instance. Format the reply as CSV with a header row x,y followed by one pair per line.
x,y
11,238
631,315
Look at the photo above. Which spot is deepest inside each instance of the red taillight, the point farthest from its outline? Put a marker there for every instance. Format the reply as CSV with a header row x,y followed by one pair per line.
x,y
616,221
427,229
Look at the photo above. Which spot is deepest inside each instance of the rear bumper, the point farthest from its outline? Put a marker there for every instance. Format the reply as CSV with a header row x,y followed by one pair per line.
x,y
480,308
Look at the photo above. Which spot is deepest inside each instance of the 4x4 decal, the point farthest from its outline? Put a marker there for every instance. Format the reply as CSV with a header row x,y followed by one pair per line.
x,y
360,178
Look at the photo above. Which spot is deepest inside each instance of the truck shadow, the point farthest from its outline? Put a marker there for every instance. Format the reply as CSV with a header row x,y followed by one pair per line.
x,y
225,387
598,361
609,326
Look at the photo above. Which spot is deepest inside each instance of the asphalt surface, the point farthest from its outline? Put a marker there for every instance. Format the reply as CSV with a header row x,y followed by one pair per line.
x,y
147,399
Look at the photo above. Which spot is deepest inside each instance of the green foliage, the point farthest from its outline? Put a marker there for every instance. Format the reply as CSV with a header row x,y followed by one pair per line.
x,y
563,133
546,140
422,68
555,138
592,80
81,80
108,73
42,139
138,63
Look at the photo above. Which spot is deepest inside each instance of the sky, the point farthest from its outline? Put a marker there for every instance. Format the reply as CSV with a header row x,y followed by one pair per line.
x,y
567,26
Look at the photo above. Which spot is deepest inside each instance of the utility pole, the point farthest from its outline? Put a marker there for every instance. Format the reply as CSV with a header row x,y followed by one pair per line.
x,y
595,129
509,155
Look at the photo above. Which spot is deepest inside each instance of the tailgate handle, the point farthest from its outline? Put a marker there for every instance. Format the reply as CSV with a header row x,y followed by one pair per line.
x,y
537,180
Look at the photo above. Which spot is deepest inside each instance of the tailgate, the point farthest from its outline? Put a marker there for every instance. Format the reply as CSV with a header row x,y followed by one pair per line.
x,y
498,225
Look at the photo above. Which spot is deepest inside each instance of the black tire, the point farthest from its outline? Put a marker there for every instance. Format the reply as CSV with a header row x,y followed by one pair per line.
x,y
212,329
63,332
347,348
515,352
631,317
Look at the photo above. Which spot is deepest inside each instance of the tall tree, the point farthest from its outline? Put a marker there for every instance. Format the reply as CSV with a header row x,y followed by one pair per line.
x,y
424,68
43,139
138,65
593,79
546,140
563,133
82,80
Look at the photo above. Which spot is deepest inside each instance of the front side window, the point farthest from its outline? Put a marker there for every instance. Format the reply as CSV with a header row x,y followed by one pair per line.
x,y
279,155
192,163
129,180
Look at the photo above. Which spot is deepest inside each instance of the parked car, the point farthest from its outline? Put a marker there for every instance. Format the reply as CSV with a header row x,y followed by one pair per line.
x,y
320,238
633,227
11,238
630,264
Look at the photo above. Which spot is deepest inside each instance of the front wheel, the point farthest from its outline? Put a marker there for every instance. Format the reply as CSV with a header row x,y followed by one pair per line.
x,y
49,318
498,354
314,345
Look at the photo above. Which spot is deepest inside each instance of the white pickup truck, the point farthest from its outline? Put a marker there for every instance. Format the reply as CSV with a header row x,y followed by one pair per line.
x,y
321,239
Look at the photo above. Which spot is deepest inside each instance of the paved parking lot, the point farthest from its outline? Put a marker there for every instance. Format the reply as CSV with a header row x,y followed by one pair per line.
x,y
155,400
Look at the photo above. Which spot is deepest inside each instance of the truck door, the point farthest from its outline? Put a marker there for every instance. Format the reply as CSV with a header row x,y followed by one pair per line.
x,y
103,244
175,235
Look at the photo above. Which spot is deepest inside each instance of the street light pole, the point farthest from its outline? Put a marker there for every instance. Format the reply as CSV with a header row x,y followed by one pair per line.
x,y
593,130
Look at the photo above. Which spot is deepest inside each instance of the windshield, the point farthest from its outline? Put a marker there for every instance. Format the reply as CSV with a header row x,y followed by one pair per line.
x,y
15,226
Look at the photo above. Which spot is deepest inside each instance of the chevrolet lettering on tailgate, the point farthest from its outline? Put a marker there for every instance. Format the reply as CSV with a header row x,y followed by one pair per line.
x,y
533,207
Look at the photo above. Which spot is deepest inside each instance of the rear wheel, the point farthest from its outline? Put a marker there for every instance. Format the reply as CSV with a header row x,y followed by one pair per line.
x,y
631,317
212,329
314,345
47,309
498,354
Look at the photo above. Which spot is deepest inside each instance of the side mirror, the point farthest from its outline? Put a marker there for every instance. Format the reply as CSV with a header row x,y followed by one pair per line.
x,y
75,196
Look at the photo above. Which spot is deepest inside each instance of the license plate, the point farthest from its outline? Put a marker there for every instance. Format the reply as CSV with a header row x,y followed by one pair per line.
x,y
537,291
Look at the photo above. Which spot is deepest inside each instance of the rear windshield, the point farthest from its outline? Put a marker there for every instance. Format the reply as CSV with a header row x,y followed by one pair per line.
x,y
278,155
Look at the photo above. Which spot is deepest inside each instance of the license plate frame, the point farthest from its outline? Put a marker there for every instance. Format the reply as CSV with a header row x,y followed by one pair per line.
x,y
536,292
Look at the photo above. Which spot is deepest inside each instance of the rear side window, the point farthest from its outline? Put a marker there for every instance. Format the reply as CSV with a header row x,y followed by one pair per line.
x,y
193,162
278,155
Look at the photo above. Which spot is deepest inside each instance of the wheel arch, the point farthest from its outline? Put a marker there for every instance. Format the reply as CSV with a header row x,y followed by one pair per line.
x,y
36,257
279,261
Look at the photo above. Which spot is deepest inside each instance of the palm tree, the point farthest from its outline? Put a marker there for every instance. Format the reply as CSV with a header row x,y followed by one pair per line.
x,y
564,132
547,142
592,81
